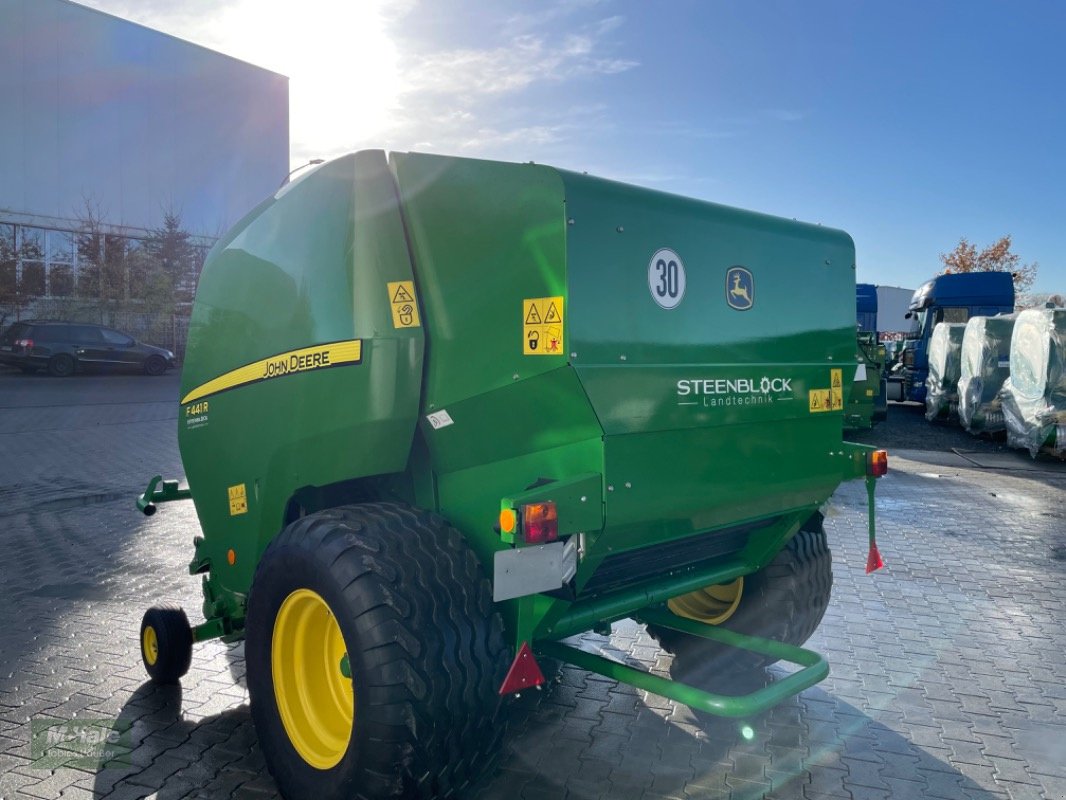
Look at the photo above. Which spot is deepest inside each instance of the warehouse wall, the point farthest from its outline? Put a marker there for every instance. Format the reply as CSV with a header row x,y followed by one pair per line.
x,y
892,303
94,106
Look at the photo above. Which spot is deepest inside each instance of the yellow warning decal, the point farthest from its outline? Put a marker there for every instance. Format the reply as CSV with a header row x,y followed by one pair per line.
x,y
542,326
320,356
831,399
402,302
819,400
238,499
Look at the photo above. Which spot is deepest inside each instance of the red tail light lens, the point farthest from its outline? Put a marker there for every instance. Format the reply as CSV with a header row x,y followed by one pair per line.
x,y
540,523
27,343
877,463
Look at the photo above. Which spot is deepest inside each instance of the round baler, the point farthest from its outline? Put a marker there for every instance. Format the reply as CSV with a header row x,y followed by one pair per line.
x,y
439,414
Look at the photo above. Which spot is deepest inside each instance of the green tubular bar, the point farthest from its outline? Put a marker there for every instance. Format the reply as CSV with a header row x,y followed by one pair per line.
x,y
167,494
581,616
815,668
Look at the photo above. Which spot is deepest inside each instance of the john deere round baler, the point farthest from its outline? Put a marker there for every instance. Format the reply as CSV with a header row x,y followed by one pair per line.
x,y
438,414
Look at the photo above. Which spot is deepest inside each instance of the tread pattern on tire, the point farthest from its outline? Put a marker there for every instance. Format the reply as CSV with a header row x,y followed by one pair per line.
x,y
785,601
428,629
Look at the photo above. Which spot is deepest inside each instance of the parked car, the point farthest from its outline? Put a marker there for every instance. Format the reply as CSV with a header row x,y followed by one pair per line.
x,y
63,347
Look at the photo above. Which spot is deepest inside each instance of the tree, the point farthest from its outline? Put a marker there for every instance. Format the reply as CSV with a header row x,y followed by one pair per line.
x,y
171,246
997,257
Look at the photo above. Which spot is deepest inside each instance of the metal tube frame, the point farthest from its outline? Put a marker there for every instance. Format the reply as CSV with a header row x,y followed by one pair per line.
x,y
814,668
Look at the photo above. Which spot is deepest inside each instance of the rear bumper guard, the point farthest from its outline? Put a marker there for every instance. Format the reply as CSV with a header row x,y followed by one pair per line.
x,y
814,668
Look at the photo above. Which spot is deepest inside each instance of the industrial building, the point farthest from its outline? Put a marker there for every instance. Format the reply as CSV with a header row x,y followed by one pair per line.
x,y
892,303
114,138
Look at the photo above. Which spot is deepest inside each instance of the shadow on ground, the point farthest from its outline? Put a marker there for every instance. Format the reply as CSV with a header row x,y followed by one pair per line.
x,y
586,737
647,747
175,757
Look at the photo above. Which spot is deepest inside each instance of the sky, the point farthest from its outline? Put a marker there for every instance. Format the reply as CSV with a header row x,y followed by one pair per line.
x,y
908,124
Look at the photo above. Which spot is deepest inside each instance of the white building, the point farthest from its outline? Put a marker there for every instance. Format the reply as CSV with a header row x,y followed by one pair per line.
x,y
892,302
99,112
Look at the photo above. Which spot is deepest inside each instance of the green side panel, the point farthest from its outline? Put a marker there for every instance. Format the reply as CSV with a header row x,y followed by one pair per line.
x,y
470,498
485,236
801,273
707,408
520,418
307,267
671,484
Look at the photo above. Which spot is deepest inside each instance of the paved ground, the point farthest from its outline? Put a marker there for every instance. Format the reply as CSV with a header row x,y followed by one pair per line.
x,y
948,681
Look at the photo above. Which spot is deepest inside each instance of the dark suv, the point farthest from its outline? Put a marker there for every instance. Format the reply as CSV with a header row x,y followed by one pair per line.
x,y
62,346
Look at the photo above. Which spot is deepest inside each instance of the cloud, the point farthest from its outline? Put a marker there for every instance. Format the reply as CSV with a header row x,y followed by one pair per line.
x,y
479,100
519,62
358,78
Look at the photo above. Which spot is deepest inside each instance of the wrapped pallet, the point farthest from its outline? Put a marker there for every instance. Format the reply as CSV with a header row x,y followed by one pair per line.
x,y
942,385
985,366
1034,396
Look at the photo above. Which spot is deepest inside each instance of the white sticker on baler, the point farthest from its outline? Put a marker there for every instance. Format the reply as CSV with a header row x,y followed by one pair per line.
x,y
666,278
439,419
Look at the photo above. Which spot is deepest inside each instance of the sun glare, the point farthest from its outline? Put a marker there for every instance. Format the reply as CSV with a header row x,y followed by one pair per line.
x,y
342,65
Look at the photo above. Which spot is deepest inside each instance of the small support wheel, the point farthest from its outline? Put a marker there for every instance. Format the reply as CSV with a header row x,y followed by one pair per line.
x,y
166,643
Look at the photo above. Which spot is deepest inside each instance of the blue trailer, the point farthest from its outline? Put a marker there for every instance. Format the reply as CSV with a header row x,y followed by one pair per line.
x,y
946,298
866,307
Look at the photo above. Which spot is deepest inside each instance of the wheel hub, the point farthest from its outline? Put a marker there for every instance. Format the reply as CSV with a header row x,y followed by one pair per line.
x,y
312,679
150,645
711,604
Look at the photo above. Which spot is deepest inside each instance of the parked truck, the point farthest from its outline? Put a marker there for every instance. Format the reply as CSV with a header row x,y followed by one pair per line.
x,y
945,298
439,414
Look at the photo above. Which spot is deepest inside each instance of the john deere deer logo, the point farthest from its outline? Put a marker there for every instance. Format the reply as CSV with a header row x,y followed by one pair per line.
x,y
739,288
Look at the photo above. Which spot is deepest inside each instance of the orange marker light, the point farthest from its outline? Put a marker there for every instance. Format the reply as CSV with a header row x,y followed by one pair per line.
x,y
540,522
508,520
877,465
231,557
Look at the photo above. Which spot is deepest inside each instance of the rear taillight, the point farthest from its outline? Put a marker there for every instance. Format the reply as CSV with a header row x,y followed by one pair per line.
x,y
877,463
540,523
27,343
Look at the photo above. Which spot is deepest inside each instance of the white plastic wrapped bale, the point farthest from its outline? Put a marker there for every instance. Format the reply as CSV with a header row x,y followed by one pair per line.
x,y
985,365
942,385
1034,396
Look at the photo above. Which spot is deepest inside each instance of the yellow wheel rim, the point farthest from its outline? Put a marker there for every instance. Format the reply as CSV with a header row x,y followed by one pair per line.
x,y
309,660
150,645
711,604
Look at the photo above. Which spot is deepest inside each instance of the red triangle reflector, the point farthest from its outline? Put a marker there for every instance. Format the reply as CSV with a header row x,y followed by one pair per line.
x,y
873,559
524,672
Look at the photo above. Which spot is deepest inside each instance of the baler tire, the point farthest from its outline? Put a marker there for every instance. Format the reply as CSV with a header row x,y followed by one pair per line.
x,y
166,651
424,645
784,601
